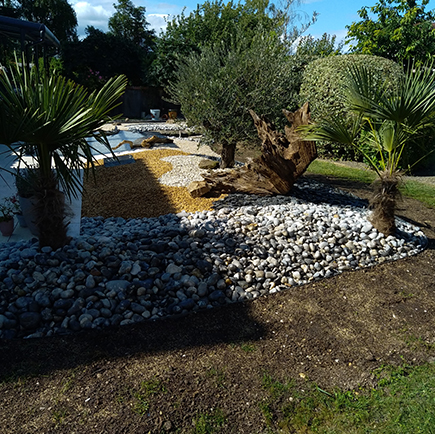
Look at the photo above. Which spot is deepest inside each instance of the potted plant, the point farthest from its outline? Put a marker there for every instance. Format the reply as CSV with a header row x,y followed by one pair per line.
x,y
24,181
52,117
8,207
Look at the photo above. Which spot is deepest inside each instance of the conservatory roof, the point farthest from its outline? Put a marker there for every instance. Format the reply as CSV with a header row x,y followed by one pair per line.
x,y
35,33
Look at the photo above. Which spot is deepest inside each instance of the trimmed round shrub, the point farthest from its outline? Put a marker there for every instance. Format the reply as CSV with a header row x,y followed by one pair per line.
x,y
322,86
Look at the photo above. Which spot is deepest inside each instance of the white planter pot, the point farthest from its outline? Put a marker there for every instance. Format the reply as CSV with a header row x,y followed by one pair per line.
x,y
27,205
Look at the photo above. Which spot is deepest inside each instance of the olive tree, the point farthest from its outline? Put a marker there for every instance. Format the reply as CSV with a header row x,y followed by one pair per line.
x,y
217,21
218,86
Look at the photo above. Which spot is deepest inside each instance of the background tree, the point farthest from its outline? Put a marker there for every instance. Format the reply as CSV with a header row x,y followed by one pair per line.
x,y
129,22
92,61
58,15
399,30
128,49
319,47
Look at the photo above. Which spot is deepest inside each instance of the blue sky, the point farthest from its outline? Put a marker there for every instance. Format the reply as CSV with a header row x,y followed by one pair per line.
x,y
333,17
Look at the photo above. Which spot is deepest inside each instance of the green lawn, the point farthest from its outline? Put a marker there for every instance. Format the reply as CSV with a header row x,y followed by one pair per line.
x,y
417,190
403,403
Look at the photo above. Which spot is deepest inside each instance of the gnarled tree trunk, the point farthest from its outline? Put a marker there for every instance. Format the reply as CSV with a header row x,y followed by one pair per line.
x,y
284,159
228,154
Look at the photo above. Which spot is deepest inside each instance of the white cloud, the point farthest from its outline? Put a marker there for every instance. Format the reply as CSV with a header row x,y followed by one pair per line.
x,y
89,15
157,22
97,14
163,8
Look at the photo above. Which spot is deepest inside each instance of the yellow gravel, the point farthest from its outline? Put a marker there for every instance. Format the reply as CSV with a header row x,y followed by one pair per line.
x,y
133,190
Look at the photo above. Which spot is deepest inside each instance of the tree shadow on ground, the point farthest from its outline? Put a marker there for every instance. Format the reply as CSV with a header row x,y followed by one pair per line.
x,y
114,192
230,324
227,324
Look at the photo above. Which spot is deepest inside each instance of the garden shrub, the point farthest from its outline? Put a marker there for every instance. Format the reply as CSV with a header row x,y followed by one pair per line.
x,y
322,86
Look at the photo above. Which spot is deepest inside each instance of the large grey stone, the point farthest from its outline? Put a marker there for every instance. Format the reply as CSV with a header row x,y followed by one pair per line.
x,y
30,320
117,285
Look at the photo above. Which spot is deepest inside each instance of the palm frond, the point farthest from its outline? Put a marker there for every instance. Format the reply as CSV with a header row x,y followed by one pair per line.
x,y
54,116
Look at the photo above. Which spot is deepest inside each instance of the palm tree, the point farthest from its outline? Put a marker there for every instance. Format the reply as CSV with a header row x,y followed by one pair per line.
x,y
51,117
389,123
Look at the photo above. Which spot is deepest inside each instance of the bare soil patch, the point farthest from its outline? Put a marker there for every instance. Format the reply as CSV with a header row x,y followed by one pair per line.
x,y
167,375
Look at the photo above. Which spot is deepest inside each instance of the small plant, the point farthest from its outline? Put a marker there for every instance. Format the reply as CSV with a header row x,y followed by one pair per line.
x,y
147,390
59,416
267,413
387,121
8,208
68,383
218,375
142,405
51,117
208,423
274,387
248,348
152,387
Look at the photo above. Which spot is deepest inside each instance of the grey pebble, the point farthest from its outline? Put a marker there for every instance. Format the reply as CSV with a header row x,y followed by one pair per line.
x,y
124,271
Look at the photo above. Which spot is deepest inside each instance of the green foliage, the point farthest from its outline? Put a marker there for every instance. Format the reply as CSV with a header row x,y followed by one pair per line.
x,y
392,121
92,61
129,23
323,86
402,403
215,22
209,423
400,30
54,64
218,87
58,15
319,47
